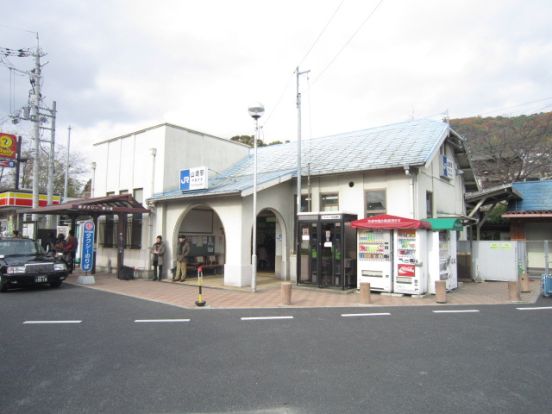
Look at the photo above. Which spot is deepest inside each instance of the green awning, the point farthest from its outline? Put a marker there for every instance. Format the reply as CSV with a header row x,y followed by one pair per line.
x,y
445,223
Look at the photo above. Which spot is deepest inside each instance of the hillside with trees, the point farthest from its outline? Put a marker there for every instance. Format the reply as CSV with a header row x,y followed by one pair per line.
x,y
507,149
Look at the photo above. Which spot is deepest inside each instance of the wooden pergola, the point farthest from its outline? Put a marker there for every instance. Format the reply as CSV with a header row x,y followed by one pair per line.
x,y
120,205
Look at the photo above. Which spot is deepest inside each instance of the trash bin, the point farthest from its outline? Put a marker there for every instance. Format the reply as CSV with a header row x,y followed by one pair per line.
x,y
126,273
546,282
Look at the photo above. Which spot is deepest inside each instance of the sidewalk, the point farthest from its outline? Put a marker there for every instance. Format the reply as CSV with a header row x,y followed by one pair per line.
x,y
269,295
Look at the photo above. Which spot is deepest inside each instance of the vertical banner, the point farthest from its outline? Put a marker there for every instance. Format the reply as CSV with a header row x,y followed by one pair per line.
x,y
87,260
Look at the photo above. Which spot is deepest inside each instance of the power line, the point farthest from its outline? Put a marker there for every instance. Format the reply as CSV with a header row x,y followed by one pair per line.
x,y
322,32
517,106
347,42
286,87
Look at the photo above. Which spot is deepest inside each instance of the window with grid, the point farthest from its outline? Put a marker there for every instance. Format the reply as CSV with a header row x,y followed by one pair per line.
x,y
375,202
329,202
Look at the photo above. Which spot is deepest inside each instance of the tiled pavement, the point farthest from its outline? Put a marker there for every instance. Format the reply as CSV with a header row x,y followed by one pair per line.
x,y
268,294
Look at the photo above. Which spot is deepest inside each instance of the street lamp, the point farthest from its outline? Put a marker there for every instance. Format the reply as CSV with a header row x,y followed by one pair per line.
x,y
255,111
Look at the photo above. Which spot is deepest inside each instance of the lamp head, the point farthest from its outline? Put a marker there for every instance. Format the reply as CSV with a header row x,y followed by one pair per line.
x,y
256,110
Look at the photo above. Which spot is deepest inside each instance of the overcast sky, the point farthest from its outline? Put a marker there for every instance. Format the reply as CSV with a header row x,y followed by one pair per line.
x,y
121,65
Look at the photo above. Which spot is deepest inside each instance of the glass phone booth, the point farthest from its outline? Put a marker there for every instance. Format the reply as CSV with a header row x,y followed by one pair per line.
x,y
327,256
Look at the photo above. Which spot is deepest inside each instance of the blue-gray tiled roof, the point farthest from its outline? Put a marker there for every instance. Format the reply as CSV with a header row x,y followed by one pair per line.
x,y
391,146
537,196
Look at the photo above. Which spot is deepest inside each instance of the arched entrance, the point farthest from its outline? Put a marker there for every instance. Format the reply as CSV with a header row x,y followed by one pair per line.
x,y
271,259
204,231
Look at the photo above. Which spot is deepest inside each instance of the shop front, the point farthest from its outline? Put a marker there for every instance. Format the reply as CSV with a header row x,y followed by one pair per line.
x,y
327,250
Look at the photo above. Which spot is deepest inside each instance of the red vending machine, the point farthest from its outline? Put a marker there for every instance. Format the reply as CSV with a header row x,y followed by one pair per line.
x,y
410,261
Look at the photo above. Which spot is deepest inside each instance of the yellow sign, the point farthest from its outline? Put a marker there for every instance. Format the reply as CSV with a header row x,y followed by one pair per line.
x,y
8,145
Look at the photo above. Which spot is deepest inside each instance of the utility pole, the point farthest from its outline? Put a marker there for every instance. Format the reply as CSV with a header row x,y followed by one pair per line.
x,y
35,99
51,162
298,74
67,165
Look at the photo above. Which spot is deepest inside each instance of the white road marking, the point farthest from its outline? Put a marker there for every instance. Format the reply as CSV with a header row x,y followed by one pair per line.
x,y
48,322
349,315
259,318
457,311
160,320
537,308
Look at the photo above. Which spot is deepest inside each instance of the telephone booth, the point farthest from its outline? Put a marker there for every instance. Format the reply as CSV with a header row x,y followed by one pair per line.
x,y
327,256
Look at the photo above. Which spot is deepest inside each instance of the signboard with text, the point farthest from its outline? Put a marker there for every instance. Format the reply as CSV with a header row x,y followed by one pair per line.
x,y
194,179
87,260
8,146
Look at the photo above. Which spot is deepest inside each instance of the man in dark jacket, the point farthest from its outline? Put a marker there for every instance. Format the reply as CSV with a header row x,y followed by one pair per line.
x,y
182,252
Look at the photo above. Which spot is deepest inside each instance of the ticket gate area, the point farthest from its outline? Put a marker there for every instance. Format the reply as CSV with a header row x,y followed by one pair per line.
x,y
327,256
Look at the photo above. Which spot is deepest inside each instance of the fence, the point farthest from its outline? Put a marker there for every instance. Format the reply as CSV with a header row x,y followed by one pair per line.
x,y
501,260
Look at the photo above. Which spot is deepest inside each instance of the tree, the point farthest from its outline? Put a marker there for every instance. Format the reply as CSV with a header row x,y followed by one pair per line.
x,y
248,140
74,181
504,150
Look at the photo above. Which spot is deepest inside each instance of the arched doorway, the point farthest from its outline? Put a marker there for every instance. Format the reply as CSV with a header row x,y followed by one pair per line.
x,y
271,259
205,232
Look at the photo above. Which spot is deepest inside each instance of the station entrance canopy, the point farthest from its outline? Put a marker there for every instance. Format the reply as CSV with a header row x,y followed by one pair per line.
x,y
120,205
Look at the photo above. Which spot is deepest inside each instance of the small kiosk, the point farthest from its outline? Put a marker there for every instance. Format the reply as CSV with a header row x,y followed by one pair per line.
x,y
442,251
392,254
327,255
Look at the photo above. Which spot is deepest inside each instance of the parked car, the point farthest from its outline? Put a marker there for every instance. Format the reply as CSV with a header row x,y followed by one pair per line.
x,y
23,262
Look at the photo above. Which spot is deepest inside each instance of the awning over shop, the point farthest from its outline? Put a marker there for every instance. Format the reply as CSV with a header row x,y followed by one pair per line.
x,y
388,222
445,223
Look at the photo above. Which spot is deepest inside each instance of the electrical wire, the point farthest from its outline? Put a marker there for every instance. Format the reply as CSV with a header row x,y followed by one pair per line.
x,y
322,32
347,42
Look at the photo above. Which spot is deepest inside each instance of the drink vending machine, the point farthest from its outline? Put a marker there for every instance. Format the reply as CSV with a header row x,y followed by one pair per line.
x,y
375,259
410,261
442,252
392,253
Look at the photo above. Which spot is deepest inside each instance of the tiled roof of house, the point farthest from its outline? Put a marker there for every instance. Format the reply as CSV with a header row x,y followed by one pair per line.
x,y
537,197
408,143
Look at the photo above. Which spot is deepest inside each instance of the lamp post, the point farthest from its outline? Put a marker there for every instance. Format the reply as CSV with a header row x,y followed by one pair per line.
x,y
255,111
93,183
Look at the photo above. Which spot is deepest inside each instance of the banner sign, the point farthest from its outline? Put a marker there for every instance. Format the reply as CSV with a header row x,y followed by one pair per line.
x,y
8,146
194,179
7,163
87,260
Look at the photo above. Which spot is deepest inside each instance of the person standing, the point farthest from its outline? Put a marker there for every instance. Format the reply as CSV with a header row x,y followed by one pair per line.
x,y
182,253
70,250
158,251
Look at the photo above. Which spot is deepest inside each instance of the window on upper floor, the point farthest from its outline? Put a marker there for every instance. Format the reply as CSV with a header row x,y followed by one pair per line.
x,y
329,202
429,204
375,202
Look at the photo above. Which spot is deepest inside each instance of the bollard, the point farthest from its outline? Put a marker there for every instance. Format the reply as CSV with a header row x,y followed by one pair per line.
x,y
525,283
200,301
286,293
513,291
365,293
441,291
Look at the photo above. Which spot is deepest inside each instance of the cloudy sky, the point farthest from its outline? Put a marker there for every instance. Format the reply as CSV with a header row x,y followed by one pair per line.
x,y
120,65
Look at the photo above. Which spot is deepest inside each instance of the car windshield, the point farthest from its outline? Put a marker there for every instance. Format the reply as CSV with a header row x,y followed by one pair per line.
x,y
18,247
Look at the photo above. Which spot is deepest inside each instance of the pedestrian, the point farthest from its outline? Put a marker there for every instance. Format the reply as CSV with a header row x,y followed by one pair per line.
x,y
70,250
158,251
182,253
59,245
16,234
50,244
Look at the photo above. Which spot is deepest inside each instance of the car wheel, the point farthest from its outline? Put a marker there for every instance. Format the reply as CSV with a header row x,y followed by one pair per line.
x,y
55,284
3,287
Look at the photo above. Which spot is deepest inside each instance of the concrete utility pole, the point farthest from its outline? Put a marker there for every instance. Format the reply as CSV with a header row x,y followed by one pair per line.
x,y
35,99
67,165
298,74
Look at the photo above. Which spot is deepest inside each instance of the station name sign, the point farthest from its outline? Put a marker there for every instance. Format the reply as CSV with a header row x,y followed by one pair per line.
x,y
194,179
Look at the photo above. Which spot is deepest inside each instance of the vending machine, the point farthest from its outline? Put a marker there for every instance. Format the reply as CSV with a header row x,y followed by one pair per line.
x,y
410,264
442,259
375,259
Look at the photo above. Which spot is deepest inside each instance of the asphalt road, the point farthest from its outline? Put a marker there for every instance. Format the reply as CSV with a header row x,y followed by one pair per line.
x,y
114,354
